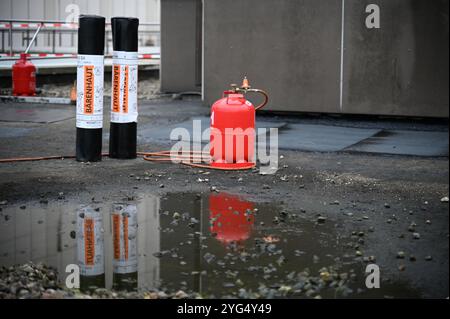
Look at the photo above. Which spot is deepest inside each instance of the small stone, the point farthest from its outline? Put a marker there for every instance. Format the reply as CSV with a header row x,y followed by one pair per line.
x,y
325,276
401,255
444,199
428,222
416,235
358,253
43,201
386,205
73,234
61,195
23,207
428,258
180,294
401,267
176,215
209,257
214,189
3,202
161,186
412,258
321,219
412,227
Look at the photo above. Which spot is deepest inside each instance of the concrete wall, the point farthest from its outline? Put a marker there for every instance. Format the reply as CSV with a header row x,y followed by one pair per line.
x,y
292,48
181,26
401,68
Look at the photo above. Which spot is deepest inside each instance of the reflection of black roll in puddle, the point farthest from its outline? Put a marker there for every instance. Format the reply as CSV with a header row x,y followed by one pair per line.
x,y
124,108
91,252
91,39
125,262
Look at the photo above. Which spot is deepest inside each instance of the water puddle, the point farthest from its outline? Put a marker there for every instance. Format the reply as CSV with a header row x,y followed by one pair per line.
x,y
217,245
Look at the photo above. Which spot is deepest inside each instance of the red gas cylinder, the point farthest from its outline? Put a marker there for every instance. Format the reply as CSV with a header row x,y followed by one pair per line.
x,y
232,138
24,77
231,218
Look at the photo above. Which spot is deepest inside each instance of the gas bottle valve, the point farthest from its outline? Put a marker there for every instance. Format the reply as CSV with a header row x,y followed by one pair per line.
x,y
246,88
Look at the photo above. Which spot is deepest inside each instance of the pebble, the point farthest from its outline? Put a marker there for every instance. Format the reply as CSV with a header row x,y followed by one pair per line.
x,y
386,205
444,199
23,207
214,189
401,254
416,235
428,258
176,215
321,219
412,258
401,267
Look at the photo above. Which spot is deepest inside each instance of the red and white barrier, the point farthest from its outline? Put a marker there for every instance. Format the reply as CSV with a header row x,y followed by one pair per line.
x,y
36,25
145,56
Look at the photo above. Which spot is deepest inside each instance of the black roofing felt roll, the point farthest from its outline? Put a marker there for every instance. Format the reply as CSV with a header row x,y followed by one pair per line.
x,y
89,145
123,126
91,35
122,140
91,43
125,34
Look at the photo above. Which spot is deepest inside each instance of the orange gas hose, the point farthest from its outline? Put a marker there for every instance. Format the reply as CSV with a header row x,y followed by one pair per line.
x,y
161,156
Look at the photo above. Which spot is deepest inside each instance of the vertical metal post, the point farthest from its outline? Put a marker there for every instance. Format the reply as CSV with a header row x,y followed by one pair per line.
x,y
53,40
10,39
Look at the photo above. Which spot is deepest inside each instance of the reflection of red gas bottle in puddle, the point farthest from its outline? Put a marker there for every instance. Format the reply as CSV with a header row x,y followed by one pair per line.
x,y
233,128
231,218
24,77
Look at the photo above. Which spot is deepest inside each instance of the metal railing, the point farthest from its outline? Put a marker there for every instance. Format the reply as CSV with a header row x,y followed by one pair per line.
x,y
53,32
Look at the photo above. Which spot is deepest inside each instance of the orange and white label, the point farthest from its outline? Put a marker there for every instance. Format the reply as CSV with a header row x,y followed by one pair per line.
x,y
124,225
90,91
90,245
116,89
124,107
89,241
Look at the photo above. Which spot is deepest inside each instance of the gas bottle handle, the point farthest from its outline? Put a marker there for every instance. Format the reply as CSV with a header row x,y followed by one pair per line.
x,y
263,93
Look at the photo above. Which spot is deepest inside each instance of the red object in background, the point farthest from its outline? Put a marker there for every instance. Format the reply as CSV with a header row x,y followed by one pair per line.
x,y
232,148
24,77
226,223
